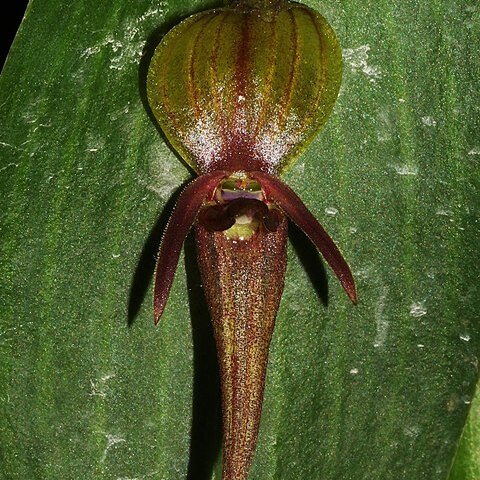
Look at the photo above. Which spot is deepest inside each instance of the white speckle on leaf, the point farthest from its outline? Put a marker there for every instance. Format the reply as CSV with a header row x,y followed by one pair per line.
x,y
465,337
401,100
386,127
95,392
162,178
115,255
421,345
474,151
354,371
112,440
382,323
364,273
444,212
99,387
9,145
6,337
429,121
357,58
300,168
9,165
332,211
418,309
411,431
353,230
406,170
88,52
125,46
94,142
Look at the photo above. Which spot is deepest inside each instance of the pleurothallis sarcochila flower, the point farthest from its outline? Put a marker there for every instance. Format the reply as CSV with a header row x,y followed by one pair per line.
x,y
240,92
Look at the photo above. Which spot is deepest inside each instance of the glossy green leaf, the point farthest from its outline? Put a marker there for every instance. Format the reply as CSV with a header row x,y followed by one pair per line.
x,y
89,388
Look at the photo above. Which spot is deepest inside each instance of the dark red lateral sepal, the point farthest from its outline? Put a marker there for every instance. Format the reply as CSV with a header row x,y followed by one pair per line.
x,y
284,197
181,220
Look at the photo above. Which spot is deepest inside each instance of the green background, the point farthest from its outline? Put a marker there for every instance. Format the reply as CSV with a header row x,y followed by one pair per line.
x,y
90,389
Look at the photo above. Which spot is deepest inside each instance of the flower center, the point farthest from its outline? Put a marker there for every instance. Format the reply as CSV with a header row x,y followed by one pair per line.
x,y
239,209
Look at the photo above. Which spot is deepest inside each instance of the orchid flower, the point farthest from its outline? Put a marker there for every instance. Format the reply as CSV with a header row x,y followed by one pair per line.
x,y
239,92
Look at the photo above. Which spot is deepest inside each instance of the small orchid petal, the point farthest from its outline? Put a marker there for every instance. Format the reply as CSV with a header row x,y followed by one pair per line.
x,y
182,218
284,197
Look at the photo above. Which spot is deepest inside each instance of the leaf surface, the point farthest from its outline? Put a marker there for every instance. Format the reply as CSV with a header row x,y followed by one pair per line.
x,y
89,388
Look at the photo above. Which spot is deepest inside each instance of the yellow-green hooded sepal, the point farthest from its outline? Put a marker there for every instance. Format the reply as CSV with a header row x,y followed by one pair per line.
x,y
243,88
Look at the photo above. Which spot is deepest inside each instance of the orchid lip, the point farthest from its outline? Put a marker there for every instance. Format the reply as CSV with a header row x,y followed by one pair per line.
x,y
241,212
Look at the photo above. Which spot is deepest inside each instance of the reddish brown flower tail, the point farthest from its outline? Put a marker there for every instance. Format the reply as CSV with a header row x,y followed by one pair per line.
x,y
180,222
243,281
241,232
282,195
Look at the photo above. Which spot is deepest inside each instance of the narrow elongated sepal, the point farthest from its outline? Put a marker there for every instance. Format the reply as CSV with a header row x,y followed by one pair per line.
x,y
283,196
243,282
180,222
